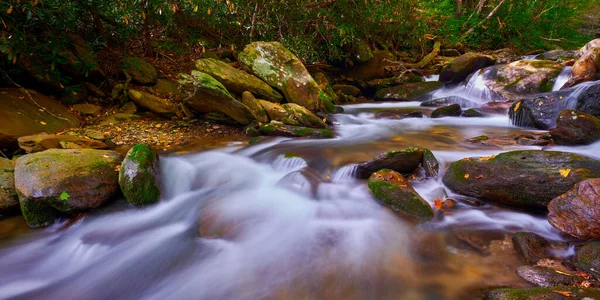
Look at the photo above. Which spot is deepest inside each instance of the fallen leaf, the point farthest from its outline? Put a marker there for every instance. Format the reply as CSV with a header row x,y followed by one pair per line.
x,y
486,158
564,172
438,203
565,293
467,176
517,106
42,122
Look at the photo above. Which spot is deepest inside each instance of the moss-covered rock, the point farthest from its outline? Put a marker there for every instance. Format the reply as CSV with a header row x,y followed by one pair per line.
x,y
361,51
276,112
557,55
391,188
373,68
276,128
403,161
452,110
42,141
255,107
430,164
282,70
153,103
140,71
524,77
531,246
447,101
472,113
522,179
68,181
546,277
407,91
587,259
575,128
463,66
8,193
347,89
303,116
572,211
205,94
139,175
237,81
544,293
166,87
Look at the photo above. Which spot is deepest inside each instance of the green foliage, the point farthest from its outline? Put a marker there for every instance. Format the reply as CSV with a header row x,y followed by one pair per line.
x,y
64,196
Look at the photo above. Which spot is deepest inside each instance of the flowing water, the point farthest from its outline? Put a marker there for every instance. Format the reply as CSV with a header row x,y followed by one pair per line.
x,y
286,219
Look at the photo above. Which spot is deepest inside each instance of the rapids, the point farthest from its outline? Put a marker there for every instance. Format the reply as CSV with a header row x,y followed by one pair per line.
x,y
286,219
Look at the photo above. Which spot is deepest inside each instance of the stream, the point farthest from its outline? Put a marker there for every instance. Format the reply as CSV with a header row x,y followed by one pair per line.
x,y
286,219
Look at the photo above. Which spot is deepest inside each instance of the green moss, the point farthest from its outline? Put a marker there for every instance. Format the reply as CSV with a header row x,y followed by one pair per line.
x,y
405,150
303,131
326,133
327,103
292,155
542,293
381,190
267,128
36,213
479,138
138,177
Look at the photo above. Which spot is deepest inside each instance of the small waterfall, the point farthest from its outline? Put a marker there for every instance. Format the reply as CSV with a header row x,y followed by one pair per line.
x,y
570,101
562,78
474,89
435,77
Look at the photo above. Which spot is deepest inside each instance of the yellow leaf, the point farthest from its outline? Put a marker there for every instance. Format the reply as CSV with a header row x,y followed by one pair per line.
x,y
42,122
203,49
208,11
467,176
9,10
126,21
564,172
517,106
196,8
565,293
232,47
486,158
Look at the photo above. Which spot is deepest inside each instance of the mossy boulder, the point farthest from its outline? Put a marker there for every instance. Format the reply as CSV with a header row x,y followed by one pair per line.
x,y
452,110
347,89
139,175
282,70
153,103
403,161
544,293
546,277
531,246
391,188
140,71
586,68
472,113
276,128
8,193
595,43
412,91
165,87
575,128
255,107
361,51
527,179
237,81
524,77
463,66
67,181
276,112
587,259
20,116
449,100
572,211
42,141
303,116
205,94
373,68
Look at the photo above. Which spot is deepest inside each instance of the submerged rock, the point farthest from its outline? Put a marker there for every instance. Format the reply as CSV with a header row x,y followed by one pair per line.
x,y
531,246
153,103
574,212
41,142
522,179
575,128
587,259
281,69
237,81
452,110
8,193
547,277
278,129
448,101
557,292
139,176
402,161
408,91
391,188
68,181
463,66
140,71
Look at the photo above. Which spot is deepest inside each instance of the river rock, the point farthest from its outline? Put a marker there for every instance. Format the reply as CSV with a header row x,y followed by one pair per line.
x,y
587,259
575,128
472,113
531,246
42,141
153,103
571,212
524,77
463,66
237,81
587,48
347,89
538,293
20,116
325,86
545,277
403,161
527,179
281,69
205,94
276,128
276,112
8,193
586,68
87,109
139,175
448,101
255,107
70,180
452,110
166,87
430,164
140,71
557,55
373,68
391,188
303,116
407,91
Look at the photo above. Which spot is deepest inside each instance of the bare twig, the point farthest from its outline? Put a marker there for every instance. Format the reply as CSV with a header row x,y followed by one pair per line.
x,y
491,14
3,154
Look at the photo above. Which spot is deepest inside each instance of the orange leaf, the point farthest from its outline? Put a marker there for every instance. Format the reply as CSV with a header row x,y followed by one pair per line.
x,y
564,172
467,176
9,10
565,293
438,203
517,106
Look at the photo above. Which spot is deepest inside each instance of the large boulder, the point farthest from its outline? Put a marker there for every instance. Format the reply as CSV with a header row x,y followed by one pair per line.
x,y
522,179
524,77
8,194
139,175
205,94
21,116
586,68
575,128
281,69
538,293
43,141
541,110
403,161
375,67
68,181
587,48
391,188
407,91
237,81
153,103
463,66
573,212
587,259
452,110
140,71
292,114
